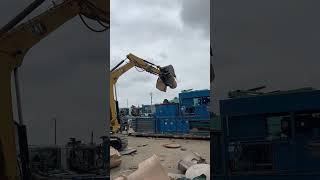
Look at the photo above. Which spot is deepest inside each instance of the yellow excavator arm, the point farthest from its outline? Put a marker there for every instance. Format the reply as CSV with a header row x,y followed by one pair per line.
x,y
166,78
15,43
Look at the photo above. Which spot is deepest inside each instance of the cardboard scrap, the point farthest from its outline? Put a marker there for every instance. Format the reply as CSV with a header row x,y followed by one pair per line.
x,y
128,151
150,169
115,158
172,145
176,176
190,160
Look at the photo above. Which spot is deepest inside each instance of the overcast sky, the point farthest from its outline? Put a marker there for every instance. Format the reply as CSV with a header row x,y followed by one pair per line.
x,y
175,32
273,43
65,75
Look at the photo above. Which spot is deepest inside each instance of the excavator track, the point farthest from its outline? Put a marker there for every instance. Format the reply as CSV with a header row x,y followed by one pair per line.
x,y
119,142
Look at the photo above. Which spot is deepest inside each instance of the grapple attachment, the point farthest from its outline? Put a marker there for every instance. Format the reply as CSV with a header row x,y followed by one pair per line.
x,y
167,77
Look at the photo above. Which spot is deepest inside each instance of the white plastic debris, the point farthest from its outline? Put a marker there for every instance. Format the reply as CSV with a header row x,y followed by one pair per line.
x,y
198,170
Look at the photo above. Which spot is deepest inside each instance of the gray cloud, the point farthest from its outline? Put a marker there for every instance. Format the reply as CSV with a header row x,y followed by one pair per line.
x,y
64,74
196,15
163,33
270,43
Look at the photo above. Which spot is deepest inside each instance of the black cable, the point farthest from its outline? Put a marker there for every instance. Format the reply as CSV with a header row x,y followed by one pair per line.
x,y
103,25
89,3
139,70
116,66
92,29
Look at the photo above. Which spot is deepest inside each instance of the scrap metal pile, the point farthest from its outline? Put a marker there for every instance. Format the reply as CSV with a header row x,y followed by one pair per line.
x,y
75,159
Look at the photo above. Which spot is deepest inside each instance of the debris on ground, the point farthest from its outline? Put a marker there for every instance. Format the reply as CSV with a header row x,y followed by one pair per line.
x,y
202,177
150,169
115,158
133,168
142,145
128,151
131,131
172,145
183,149
168,157
198,170
121,178
191,159
174,176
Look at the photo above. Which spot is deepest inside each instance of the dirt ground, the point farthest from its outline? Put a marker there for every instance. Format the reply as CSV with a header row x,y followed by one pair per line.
x,y
169,157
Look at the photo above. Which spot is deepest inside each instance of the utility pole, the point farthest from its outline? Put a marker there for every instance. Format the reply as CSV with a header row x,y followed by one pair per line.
x,y
55,129
127,103
91,137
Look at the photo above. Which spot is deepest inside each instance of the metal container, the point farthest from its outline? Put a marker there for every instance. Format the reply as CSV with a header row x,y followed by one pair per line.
x,y
167,125
187,98
172,125
167,110
144,124
45,158
182,125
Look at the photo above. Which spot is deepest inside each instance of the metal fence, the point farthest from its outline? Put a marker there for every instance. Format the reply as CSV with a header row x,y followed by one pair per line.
x,y
144,124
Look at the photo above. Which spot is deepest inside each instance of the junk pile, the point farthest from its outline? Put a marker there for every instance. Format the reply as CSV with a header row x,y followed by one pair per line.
x,y
115,158
76,159
192,167
150,169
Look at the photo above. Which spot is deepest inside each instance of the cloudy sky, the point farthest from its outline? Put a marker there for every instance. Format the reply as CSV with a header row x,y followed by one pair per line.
x,y
175,32
273,43
65,75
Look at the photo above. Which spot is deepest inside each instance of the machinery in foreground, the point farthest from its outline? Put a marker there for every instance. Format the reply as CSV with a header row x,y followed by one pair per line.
x,y
272,135
16,39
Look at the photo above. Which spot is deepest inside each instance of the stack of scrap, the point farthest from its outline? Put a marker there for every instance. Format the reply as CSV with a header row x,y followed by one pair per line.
x,y
190,160
115,158
150,169
193,166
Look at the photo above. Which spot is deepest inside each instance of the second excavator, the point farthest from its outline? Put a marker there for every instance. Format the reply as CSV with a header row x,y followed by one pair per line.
x,y
166,78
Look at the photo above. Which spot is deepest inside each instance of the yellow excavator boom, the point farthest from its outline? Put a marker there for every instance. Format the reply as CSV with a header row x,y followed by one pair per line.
x,y
135,61
14,44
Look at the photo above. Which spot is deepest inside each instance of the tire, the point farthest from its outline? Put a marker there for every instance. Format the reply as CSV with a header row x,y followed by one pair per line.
x,y
119,142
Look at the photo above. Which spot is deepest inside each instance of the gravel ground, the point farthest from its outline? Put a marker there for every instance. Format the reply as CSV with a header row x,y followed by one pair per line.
x,y
169,157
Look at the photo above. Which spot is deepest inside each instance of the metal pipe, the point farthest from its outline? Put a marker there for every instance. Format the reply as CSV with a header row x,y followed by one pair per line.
x,y
22,132
55,131
18,95
91,137
21,16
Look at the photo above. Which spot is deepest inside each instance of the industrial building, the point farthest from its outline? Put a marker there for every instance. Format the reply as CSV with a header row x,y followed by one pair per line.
x,y
189,116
